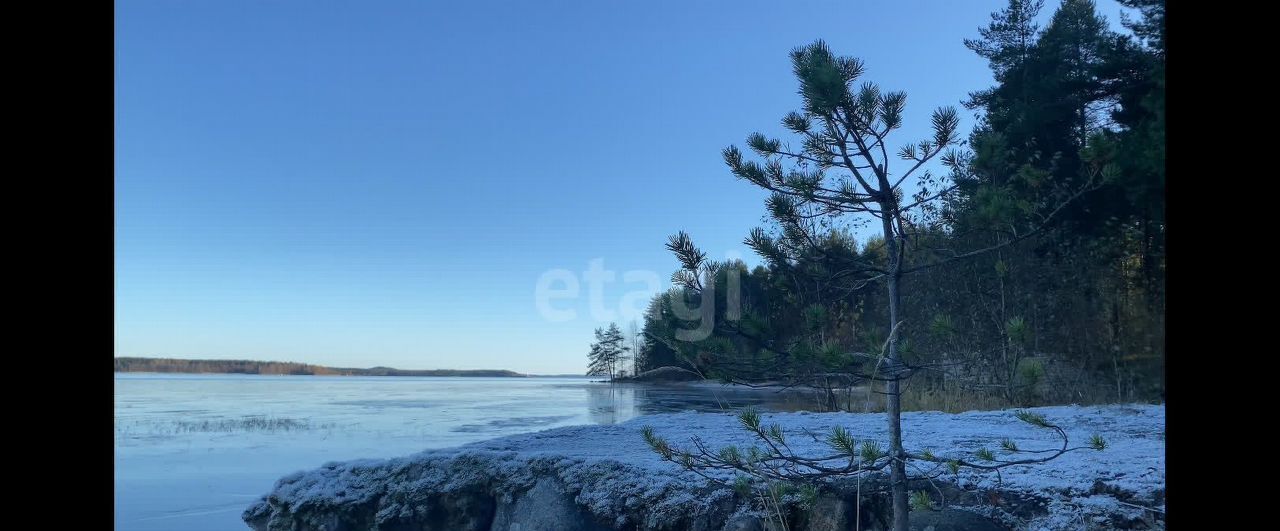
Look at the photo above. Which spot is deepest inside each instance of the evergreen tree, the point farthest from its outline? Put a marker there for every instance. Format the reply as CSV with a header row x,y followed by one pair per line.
x,y
615,344
608,352
1087,91
599,359
841,169
1007,44
1150,27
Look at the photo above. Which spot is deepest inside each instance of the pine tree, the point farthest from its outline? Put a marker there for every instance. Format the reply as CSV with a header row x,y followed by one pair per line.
x,y
842,168
608,352
1007,43
599,357
615,344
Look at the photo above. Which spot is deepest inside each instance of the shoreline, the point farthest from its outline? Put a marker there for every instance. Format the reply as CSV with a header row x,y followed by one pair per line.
x,y
259,367
192,373
174,373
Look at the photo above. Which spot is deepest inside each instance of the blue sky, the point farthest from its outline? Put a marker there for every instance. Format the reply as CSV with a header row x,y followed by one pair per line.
x,y
385,183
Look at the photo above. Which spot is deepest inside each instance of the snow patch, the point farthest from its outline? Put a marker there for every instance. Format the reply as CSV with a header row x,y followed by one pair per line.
x,y
615,473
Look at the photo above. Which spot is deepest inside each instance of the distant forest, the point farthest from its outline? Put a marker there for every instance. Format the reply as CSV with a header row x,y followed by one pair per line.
x,y
282,367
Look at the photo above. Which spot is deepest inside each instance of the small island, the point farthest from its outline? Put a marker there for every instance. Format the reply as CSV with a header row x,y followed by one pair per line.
x,y
170,365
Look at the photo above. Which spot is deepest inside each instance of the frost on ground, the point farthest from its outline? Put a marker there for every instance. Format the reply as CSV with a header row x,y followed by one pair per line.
x,y
612,473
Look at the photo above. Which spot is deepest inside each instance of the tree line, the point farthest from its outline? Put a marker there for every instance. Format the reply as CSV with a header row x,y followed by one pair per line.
x,y
1020,264
1029,270
170,365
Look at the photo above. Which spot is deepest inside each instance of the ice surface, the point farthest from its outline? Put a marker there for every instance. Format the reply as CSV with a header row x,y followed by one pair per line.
x,y
192,451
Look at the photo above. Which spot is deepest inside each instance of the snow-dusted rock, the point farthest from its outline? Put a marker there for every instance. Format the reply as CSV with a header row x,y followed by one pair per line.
x,y
605,477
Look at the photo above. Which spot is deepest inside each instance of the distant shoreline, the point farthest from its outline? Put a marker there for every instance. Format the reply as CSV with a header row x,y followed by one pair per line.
x,y
283,368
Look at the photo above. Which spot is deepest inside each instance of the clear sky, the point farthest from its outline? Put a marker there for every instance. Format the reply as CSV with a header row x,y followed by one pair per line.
x,y
387,182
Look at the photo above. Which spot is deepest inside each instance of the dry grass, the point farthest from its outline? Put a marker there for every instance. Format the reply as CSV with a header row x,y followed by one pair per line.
x,y
244,424
252,423
950,400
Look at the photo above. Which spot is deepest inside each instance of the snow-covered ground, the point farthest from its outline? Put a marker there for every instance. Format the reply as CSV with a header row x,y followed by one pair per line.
x,y
1133,459
612,462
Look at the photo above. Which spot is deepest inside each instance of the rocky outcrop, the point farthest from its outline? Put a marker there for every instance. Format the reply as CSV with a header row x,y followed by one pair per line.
x,y
597,478
445,495
448,494
475,492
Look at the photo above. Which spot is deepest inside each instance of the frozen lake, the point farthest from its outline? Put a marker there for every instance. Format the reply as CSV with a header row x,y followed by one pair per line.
x,y
192,451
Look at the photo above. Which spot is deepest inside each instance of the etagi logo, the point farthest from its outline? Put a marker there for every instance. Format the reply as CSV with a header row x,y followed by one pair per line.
x,y
558,284
563,284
